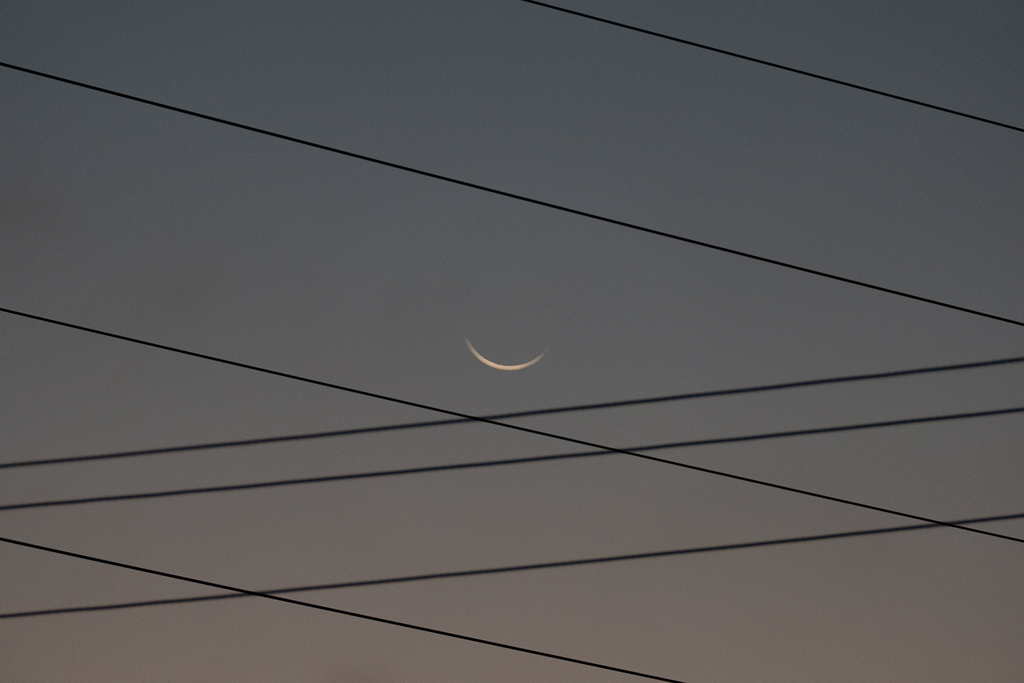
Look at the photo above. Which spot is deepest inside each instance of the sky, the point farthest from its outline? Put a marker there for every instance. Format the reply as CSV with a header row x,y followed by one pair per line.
x,y
155,225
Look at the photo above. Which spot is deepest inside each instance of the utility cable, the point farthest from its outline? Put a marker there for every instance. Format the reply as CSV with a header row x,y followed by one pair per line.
x,y
492,463
503,416
335,610
519,197
775,65
508,569
506,425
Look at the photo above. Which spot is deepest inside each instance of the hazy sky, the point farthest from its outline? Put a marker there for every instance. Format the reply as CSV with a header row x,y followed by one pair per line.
x,y
156,225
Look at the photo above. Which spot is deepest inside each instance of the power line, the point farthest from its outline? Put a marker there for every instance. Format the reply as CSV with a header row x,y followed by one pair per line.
x,y
504,416
513,195
519,428
509,568
495,463
335,610
774,65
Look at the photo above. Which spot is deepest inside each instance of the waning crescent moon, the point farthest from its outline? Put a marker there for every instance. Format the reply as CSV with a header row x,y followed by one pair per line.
x,y
497,366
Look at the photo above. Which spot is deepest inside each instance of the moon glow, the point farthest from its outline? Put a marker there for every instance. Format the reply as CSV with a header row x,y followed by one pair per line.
x,y
498,366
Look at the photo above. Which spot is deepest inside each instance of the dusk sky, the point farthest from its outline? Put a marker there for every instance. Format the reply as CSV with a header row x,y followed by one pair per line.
x,y
156,225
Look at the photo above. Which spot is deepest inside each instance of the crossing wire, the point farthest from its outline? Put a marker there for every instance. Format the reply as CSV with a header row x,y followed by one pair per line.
x,y
226,488
235,443
506,425
519,197
510,568
335,610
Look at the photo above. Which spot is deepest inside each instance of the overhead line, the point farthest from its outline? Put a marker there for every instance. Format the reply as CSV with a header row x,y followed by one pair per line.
x,y
775,65
276,483
519,428
508,568
335,610
516,196
504,416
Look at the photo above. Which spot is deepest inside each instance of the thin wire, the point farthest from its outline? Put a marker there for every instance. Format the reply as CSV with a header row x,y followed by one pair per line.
x,y
512,195
508,569
775,65
335,610
493,463
503,416
518,428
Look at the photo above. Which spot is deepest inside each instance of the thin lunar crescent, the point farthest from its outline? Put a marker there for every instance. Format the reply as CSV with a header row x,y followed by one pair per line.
x,y
497,366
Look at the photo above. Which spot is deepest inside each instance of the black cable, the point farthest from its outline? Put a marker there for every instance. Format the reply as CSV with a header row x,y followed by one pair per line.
x,y
335,610
774,65
512,195
518,428
508,569
504,416
494,463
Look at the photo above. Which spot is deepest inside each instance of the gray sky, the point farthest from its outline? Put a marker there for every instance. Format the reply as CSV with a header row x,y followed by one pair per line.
x,y
152,224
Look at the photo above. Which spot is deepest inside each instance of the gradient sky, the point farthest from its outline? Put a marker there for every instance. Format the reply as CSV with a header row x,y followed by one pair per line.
x,y
156,225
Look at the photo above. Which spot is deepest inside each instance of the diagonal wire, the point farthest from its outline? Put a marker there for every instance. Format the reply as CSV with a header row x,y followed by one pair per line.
x,y
509,568
774,65
505,416
496,463
335,610
518,428
519,197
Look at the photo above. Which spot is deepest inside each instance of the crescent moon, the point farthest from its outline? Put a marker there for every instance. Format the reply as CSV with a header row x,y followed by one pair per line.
x,y
498,366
